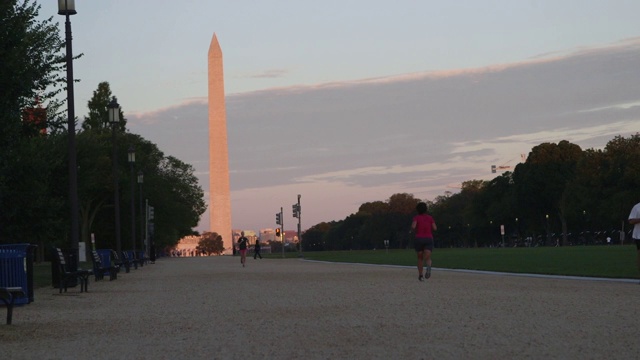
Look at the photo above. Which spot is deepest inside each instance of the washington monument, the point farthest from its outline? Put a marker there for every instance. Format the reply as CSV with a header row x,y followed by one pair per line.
x,y
219,192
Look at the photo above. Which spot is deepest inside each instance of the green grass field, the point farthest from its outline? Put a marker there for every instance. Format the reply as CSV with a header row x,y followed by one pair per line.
x,y
592,261
42,273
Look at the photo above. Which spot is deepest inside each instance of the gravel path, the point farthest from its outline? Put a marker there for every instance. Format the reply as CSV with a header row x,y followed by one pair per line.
x,y
213,308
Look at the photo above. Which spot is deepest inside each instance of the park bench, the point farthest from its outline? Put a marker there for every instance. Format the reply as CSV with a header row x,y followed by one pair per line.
x,y
138,256
66,275
130,260
99,269
8,295
120,262
135,258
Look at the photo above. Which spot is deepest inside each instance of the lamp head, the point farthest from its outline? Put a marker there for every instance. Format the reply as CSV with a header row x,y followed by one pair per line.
x,y
132,154
67,7
114,111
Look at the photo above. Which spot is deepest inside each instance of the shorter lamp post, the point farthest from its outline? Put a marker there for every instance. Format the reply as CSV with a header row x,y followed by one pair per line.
x,y
140,181
114,120
132,160
548,233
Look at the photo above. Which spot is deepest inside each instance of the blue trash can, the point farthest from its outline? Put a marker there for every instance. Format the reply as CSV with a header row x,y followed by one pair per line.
x,y
16,269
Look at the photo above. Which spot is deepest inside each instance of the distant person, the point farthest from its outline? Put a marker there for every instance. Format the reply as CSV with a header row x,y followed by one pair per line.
x,y
634,219
242,247
423,226
256,250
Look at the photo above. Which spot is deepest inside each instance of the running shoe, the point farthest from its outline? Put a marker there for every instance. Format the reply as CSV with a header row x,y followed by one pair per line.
x,y
428,273
420,278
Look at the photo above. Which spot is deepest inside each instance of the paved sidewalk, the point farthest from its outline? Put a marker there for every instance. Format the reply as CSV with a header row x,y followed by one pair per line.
x,y
213,308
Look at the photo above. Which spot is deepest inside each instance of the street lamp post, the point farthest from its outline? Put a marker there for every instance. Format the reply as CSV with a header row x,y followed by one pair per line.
x,y
585,226
114,120
297,213
68,8
140,181
548,234
132,160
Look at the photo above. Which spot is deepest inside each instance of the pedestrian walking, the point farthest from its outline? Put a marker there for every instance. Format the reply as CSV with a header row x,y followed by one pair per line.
x,y
256,250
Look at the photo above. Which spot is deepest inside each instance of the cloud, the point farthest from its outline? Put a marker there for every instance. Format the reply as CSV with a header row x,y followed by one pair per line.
x,y
417,133
152,117
269,74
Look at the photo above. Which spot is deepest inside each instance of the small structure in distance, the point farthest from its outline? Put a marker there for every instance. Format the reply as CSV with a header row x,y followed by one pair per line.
x,y
506,166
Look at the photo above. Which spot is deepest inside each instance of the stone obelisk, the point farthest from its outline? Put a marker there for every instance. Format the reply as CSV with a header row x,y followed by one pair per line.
x,y
219,191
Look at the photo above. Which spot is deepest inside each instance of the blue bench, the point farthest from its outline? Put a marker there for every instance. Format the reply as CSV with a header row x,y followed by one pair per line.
x,y
133,258
120,262
99,269
67,275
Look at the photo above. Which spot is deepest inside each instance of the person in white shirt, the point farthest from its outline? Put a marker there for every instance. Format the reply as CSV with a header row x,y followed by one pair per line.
x,y
634,219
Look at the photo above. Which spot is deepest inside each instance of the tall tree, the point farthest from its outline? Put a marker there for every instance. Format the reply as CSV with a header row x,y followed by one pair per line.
x,y
178,200
210,243
542,181
97,118
25,84
621,177
95,174
31,64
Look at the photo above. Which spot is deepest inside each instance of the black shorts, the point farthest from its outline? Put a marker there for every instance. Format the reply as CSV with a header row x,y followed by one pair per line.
x,y
637,244
422,244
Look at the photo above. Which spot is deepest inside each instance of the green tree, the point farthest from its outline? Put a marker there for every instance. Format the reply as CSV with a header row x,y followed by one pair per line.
x,y
587,193
25,84
542,182
313,238
98,116
28,205
494,205
31,210
169,184
210,243
620,178
376,207
95,167
470,225
402,203
95,175
177,198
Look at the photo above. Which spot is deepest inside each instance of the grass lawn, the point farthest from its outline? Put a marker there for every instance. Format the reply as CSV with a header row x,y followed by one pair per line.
x,y
42,273
593,261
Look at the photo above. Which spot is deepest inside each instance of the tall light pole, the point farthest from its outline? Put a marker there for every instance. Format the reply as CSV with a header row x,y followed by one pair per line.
x,y
548,234
297,211
132,160
68,8
114,120
140,181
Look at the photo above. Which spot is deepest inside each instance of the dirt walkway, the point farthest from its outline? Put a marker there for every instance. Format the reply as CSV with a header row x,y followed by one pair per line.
x,y
213,308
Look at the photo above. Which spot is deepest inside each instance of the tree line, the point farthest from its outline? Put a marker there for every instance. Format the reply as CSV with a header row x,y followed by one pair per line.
x,y
561,195
34,178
